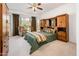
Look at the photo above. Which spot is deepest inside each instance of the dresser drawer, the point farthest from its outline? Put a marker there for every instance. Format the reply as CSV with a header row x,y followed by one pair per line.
x,y
61,38
61,34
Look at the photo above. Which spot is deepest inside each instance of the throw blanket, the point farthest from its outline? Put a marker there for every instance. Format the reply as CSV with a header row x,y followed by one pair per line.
x,y
32,40
40,37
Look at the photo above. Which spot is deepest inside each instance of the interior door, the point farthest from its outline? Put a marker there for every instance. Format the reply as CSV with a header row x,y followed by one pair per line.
x,y
33,24
15,24
3,29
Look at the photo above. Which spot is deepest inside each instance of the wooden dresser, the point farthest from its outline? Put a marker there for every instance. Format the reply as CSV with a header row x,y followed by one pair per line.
x,y
62,26
3,29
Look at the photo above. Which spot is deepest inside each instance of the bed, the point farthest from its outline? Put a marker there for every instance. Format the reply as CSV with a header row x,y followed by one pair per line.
x,y
37,39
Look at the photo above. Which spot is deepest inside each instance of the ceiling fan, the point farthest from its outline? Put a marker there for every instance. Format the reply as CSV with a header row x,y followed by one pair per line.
x,y
35,6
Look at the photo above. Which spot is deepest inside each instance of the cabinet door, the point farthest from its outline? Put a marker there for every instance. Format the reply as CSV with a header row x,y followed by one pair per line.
x,y
61,21
47,23
43,23
62,36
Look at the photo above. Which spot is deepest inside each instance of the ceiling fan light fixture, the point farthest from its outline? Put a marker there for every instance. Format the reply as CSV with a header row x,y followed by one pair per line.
x,y
36,6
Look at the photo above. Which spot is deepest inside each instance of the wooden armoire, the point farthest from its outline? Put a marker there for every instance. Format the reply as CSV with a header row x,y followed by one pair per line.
x,y
63,27
3,29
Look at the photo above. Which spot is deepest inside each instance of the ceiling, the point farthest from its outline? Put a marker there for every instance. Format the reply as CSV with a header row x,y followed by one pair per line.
x,y
22,8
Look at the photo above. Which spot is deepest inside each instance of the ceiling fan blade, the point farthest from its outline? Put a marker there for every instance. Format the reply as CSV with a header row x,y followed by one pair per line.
x,y
39,4
34,10
29,7
39,8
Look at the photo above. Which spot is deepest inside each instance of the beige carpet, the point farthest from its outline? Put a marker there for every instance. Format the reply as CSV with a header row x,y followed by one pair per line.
x,y
56,48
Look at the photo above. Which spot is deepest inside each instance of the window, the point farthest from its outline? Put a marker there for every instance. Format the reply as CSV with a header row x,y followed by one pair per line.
x,y
26,23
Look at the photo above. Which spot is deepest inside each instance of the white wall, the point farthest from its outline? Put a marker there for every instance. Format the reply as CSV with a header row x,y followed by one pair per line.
x,y
24,16
69,9
11,24
77,31
38,23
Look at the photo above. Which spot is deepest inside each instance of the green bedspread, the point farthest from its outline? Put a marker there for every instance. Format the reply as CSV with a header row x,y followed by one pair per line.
x,y
34,44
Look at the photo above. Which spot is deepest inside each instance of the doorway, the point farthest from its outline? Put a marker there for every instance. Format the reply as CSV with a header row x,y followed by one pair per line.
x,y
15,24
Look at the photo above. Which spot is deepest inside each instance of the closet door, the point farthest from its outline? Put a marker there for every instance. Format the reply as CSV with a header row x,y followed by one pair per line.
x,y
61,21
3,29
15,24
5,32
33,24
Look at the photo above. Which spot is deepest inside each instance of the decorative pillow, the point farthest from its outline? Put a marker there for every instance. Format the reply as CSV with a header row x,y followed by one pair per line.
x,y
44,29
53,30
47,30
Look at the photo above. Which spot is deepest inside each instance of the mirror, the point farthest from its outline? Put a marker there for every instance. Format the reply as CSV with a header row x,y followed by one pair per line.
x,y
53,22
